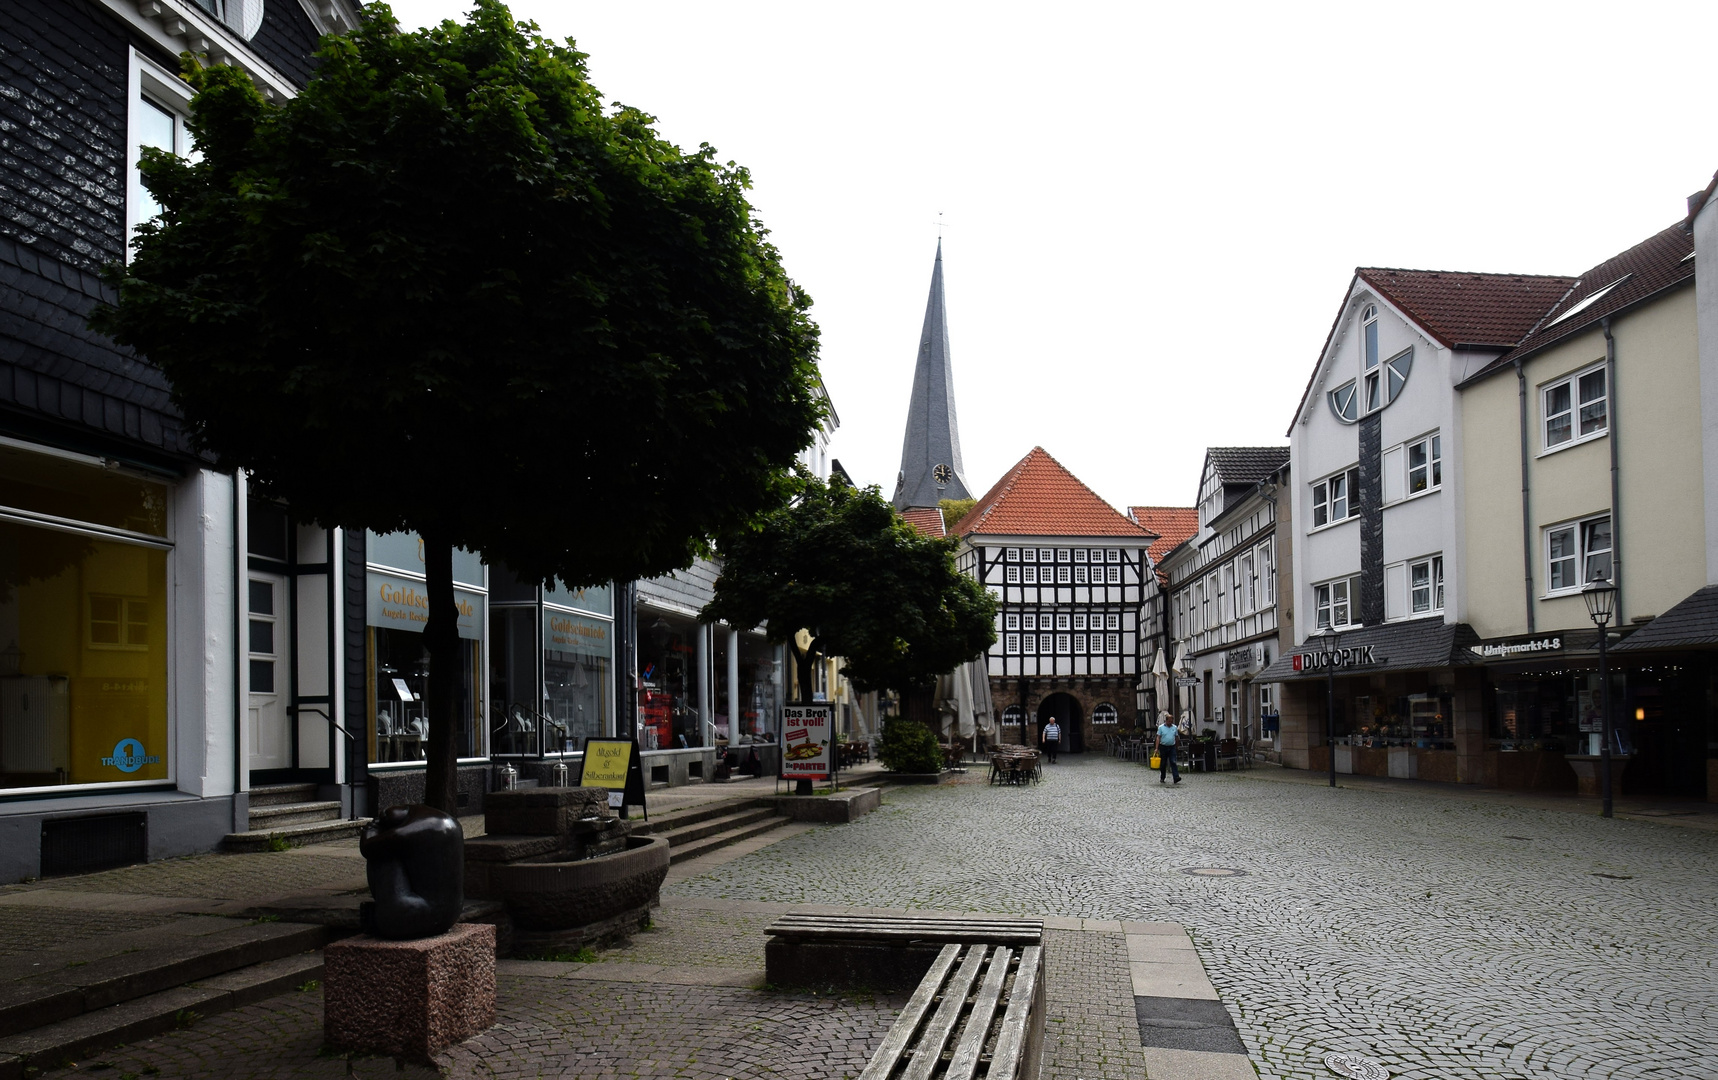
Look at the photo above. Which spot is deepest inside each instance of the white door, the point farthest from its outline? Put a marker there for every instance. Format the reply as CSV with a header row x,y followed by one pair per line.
x,y
268,636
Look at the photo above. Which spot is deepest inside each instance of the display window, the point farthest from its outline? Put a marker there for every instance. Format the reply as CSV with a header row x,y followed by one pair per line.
x,y
552,673
578,659
669,682
83,624
757,697
397,658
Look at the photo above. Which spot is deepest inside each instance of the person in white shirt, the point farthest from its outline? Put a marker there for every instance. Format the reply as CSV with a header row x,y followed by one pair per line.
x,y
1052,739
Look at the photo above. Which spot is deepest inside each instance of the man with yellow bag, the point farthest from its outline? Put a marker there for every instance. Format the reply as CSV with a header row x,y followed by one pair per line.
x,y
1165,759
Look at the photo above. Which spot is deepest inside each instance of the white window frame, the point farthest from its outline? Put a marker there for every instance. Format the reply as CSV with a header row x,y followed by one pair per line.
x,y
1080,644
1064,575
1112,643
1029,575
1434,586
1012,555
1011,621
1325,603
1350,478
1112,575
1572,382
167,90
1080,574
1063,645
1581,532
1062,620
1079,620
1011,644
1011,574
1434,466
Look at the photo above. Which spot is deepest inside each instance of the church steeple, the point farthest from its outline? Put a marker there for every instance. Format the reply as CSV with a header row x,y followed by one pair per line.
x,y
931,468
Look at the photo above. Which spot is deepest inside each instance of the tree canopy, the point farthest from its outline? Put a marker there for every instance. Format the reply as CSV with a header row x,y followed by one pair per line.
x,y
839,563
448,288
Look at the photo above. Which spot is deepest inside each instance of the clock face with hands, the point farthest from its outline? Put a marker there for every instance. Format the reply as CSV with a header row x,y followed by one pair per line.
x,y
942,474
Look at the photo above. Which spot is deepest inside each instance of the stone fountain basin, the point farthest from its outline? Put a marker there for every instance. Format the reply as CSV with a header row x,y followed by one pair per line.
x,y
561,895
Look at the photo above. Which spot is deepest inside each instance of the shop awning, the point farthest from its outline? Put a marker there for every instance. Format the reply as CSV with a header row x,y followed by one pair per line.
x,y
1420,645
1693,623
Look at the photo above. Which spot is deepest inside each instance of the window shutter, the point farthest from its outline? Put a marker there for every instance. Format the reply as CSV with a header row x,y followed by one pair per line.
x,y
1395,485
1395,591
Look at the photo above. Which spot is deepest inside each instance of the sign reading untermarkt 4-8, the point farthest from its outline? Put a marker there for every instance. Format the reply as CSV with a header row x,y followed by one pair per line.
x,y
807,736
1358,656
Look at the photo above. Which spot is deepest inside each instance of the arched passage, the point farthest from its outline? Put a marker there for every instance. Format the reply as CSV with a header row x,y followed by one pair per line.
x,y
1066,709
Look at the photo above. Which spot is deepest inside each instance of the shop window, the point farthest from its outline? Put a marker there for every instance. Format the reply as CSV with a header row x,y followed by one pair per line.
x,y
399,671
1576,553
84,653
669,680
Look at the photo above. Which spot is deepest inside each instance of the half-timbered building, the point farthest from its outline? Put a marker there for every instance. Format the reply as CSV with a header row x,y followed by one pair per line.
x,y
1068,571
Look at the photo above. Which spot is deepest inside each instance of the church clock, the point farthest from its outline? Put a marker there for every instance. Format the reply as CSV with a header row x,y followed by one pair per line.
x,y
942,474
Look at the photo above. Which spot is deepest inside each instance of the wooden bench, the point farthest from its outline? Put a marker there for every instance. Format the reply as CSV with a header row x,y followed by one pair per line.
x,y
977,1005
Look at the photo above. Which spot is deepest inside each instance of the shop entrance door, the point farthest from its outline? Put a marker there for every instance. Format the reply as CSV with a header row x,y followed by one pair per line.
x,y
268,638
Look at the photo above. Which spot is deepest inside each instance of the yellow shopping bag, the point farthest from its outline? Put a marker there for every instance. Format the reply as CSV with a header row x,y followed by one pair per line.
x,y
1156,762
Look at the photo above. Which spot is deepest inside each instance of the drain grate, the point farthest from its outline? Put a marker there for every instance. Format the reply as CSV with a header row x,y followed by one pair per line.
x,y
1355,1066
1213,871
82,845
1615,877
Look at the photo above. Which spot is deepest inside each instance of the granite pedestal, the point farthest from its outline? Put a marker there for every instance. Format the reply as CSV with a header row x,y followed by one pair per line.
x,y
409,999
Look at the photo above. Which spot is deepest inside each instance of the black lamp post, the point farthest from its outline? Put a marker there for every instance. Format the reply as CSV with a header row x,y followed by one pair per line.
x,y
1327,637
1601,598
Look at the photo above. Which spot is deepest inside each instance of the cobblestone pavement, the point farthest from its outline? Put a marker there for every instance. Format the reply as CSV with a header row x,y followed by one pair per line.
x,y
1450,938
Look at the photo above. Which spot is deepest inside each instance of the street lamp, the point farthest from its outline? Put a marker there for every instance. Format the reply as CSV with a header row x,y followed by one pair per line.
x,y
1601,598
1327,636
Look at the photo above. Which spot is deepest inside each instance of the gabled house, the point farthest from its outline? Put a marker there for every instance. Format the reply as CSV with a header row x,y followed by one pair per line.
x,y
1069,572
1220,592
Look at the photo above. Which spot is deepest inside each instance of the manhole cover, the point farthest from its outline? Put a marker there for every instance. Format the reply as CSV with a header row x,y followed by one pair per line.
x,y
1355,1067
1213,871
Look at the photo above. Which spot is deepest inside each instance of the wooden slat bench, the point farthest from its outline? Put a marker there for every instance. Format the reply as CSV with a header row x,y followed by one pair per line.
x,y
978,1012
977,1006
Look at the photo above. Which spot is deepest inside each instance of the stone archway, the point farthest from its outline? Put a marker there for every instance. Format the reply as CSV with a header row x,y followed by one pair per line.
x,y
1066,709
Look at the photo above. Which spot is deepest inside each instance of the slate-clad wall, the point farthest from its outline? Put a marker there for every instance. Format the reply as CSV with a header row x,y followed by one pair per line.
x,y
63,76
682,590
286,39
1371,495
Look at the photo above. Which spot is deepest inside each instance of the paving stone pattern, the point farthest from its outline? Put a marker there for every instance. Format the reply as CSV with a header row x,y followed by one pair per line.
x,y
693,937
252,876
1449,938
29,930
1090,1029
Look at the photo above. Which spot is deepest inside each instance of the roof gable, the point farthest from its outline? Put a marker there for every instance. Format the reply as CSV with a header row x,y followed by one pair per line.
x,y
927,519
1040,497
1171,525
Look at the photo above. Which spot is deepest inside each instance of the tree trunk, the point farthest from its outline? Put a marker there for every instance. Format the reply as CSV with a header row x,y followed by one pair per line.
x,y
441,635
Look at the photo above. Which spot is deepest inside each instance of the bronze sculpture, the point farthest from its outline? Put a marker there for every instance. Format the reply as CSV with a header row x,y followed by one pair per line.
x,y
415,860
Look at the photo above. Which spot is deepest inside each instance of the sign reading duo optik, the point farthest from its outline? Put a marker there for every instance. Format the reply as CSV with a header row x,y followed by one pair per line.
x,y
1359,656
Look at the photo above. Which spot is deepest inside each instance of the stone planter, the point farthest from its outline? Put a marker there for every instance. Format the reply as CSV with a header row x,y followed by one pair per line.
x,y
561,903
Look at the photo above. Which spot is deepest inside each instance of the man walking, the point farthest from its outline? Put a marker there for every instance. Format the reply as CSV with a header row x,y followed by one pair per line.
x,y
1052,739
1166,734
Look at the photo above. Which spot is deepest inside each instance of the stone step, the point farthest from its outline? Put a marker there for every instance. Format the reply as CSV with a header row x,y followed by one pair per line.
x,y
699,830
681,852
51,1044
316,832
60,984
277,794
663,823
264,818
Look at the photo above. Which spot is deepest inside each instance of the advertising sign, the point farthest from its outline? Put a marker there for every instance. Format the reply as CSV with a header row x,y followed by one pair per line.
x,y
1359,656
614,764
807,735
403,604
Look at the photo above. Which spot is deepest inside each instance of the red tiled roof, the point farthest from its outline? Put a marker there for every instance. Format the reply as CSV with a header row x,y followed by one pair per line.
x,y
1460,308
1454,306
1657,263
926,519
1039,497
1171,524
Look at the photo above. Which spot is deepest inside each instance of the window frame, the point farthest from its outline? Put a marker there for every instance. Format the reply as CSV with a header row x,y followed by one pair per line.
x,y
1572,381
1434,586
1324,603
165,90
1581,530
1350,478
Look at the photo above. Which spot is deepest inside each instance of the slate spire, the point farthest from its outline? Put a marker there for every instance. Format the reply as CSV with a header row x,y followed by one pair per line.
x,y
931,468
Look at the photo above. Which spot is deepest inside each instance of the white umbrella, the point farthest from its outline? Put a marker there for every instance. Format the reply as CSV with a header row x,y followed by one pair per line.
x,y
1160,675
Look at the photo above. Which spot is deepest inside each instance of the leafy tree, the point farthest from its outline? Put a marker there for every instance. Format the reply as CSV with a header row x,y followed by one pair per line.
x,y
955,509
908,746
839,563
446,288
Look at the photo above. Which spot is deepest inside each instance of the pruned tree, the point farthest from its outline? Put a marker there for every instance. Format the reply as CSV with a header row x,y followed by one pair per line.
x,y
448,288
868,587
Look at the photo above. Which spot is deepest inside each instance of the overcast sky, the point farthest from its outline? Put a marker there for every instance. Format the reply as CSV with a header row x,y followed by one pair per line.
x,y
1153,211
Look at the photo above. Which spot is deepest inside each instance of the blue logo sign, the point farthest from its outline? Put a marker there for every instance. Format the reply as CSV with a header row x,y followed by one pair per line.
x,y
128,756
